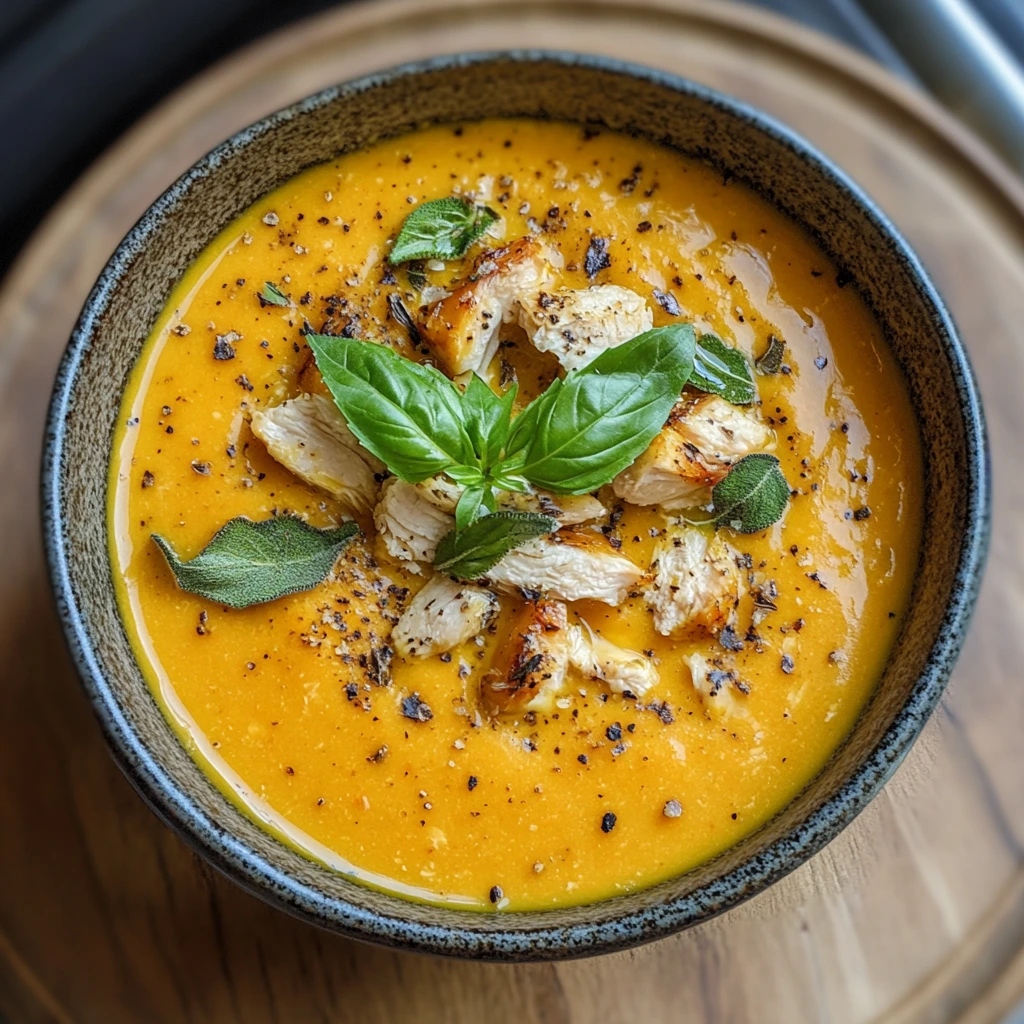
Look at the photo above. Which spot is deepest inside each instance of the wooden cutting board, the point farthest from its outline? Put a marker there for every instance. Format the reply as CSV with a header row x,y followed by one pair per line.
x,y
916,913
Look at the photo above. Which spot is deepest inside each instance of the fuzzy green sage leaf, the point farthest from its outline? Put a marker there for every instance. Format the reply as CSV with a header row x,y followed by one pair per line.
x,y
247,562
752,496
273,296
468,554
720,369
770,360
442,229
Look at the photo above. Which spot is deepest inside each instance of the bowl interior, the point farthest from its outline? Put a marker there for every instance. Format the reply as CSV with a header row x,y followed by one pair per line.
x,y
133,290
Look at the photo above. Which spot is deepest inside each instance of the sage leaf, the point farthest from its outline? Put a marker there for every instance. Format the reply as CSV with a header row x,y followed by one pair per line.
x,y
247,562
582,431
408,415
770,361
752,496
468,554
273,296
720,369
442,229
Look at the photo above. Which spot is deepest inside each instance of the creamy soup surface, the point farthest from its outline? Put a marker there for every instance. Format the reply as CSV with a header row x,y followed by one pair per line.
x,y
287,705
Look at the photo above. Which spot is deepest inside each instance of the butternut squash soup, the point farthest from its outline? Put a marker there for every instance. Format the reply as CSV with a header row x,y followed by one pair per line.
x,y
512,515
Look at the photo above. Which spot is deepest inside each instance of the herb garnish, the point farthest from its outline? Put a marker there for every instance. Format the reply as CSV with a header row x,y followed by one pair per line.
x,y
442,229
272,295
720,369
753,496
770,361
247,562
469,553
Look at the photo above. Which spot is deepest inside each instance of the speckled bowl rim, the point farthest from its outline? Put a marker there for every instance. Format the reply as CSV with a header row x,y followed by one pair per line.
x,y
255,873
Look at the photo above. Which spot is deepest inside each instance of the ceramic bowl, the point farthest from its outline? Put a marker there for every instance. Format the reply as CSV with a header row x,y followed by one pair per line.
x,y
742,143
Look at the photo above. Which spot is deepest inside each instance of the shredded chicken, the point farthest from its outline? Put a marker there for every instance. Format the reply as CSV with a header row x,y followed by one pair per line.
x,y
703,437
623,670
569,565
578,324
308,436
409,525
529,671
568,509
443,615
696,582
462,328
719,688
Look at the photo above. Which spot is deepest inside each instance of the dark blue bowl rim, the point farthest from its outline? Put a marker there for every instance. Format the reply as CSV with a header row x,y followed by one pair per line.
x,y
535,941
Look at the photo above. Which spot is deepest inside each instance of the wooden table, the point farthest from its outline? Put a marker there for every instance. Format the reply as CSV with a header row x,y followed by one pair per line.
x,y
916,913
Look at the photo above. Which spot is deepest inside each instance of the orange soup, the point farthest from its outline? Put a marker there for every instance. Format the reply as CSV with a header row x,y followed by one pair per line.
x,y
616,696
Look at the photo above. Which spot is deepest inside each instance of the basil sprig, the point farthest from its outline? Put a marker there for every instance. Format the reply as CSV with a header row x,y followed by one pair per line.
x,y
573,438
272,295
469,553
720,369
752,496
442,229
247,563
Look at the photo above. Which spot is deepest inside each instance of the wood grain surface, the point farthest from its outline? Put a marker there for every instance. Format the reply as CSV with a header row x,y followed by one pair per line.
x,y
916,913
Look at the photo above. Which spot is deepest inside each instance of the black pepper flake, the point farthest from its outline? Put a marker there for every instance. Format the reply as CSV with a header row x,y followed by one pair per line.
x,y
202,468
862,514
379,755
597,258
148,479
787,664
608,822
668,302
644,226
582,758
416,709
729,640
473,783
243,382
495,894
614,732
223,349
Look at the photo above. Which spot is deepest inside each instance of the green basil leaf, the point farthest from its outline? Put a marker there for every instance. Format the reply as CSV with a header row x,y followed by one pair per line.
x,y
273,296
468,476
469,553
770,361
720,369
753,496
509,481
488,417
442,229
578,435
249,563
408,415
472,504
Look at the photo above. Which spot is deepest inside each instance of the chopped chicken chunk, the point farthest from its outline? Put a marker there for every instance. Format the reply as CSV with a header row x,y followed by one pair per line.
x,y
462,328
578,324
566,508
623,670
443,615
702,439
409,525
308,436
530,669
568,565
719,688
697,581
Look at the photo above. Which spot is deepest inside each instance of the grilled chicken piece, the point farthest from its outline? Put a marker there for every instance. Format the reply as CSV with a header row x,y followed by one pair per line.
x,y
623,670
578,324
462,328
703,437
409,525
443,615
697,581
569,565
311,438
530,670
718,687
568,509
